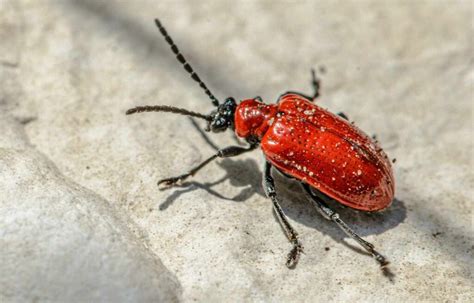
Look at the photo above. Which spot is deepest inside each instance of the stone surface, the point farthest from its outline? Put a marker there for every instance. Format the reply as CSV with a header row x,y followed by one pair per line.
x,y
61,242
81,216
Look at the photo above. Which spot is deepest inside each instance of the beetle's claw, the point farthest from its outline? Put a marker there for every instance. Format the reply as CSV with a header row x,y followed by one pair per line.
x,y
168,182
294,255
384,266
388,273
382,261
378,257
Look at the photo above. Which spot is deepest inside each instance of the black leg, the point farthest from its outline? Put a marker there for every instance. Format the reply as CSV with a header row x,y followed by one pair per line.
x,y
329,214
315,83
344,116
230,151
374,138
291,234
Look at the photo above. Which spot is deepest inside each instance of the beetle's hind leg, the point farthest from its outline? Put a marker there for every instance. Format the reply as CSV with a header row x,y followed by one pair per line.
x,y
291,234
343,115
329,214
315,83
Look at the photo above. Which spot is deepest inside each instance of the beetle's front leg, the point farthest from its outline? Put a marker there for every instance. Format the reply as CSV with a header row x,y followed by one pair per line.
x,y
230,151
291,234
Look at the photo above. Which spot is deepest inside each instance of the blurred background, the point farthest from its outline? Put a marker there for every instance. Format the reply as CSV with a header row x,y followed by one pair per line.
x,y
82,219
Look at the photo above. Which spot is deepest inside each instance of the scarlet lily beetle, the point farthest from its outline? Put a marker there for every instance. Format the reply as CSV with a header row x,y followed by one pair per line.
x,y
331,157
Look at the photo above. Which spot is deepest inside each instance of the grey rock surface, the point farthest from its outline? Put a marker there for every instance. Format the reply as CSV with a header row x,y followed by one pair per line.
x,y
81,217
62,243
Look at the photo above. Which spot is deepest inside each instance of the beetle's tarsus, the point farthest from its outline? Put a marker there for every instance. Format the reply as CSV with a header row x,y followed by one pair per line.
x,y
169,182
294,255
388,273
381,259
329,214
384,264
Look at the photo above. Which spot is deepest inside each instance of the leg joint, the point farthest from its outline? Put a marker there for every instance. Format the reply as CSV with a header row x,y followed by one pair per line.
x,y
232,151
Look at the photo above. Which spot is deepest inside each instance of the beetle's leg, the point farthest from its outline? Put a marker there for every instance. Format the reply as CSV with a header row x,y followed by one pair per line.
x,y
342,115
291,234
329,214
230,151
315,82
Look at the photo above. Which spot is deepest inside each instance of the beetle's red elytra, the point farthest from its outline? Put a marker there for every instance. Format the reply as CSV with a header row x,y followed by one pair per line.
x,y
332,158
319,148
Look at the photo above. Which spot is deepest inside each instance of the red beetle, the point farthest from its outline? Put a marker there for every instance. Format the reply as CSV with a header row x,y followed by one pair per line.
x,y
331,157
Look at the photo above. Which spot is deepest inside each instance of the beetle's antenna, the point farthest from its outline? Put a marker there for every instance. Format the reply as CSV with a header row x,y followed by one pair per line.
x,y
185,64
170,109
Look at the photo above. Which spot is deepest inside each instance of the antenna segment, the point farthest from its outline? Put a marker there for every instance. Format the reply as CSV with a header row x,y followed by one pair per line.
x,y
185,64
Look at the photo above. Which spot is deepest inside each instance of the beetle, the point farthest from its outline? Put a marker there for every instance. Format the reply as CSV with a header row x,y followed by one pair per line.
x,y
332,158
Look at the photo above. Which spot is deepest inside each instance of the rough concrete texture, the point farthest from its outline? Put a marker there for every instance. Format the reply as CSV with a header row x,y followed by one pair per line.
x,y
81,216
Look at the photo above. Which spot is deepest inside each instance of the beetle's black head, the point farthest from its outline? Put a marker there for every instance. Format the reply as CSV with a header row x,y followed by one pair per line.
x,y
223,117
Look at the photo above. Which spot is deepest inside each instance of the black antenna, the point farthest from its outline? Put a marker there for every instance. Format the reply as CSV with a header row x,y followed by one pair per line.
x,y
169,109
185,64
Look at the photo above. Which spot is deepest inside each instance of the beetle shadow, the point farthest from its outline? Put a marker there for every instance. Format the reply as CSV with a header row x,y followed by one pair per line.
x,y
240,173
298,207
293,200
